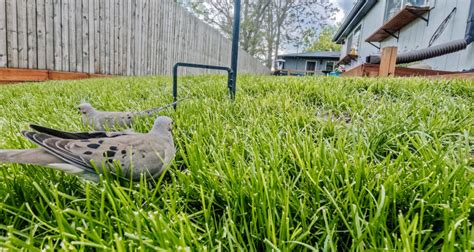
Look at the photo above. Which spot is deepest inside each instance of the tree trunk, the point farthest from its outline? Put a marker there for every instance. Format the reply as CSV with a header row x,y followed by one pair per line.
x,y
270,38
244,32
277,43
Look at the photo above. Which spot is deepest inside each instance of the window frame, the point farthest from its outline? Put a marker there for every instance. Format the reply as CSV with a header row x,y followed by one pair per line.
x,y
349,44
309,72
333,65
315,65
358,38
402,4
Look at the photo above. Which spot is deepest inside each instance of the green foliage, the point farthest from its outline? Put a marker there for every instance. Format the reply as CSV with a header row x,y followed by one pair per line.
x,y
266,25
324,41
293,164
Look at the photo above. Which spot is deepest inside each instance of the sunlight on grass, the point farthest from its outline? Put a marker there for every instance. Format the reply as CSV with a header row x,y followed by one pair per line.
x,y
292,164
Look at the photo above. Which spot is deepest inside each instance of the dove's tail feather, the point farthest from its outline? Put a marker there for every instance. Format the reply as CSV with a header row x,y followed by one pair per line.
x,y
43,158
33,156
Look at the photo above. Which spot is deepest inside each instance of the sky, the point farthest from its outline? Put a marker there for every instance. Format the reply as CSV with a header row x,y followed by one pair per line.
x,y
345,6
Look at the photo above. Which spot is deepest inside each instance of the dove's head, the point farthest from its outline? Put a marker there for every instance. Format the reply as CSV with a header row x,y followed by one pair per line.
x,y
85,108
163,124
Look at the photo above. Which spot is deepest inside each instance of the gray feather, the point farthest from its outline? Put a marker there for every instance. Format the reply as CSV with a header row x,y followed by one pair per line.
x,y
102,120
137,154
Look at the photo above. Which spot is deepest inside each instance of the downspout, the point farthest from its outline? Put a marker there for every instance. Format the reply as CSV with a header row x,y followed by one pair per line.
x,y
469,37
436,51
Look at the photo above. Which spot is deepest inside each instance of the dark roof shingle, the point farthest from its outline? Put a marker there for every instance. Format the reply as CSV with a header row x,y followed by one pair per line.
x,y
312,55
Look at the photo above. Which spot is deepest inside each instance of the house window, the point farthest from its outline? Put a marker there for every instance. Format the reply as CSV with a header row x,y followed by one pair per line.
x,y
349,45
280,64
330,66
355,41
393,6
310,67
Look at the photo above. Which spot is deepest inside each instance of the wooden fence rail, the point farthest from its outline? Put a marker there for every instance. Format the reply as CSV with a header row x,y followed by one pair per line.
x,y
118,37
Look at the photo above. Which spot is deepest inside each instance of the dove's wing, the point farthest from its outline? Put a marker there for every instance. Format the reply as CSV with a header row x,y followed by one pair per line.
x,y
76,135
45,141
136,153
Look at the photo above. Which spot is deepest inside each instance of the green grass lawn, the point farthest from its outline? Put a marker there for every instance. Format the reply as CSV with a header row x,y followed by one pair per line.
x,y
292,164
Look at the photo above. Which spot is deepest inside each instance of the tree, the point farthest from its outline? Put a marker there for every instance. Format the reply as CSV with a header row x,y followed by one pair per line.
x,y
324,41
266,25
219,13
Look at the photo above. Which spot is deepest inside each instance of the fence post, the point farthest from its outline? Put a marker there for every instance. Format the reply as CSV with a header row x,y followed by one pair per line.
x,y
388,61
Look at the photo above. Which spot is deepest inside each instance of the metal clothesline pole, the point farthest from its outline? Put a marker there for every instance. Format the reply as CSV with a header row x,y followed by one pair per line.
x,y
235,46
232,71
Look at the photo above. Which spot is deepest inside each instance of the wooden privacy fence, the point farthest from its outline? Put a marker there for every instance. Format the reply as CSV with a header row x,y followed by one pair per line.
x,y
119,37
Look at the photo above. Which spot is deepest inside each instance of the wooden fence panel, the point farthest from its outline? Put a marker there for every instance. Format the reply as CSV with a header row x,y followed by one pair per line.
x,y
123,46
72,38
65,34
152,54
41,33
141,17
12,34
147,35
49,33
3,33
164,38
91,33
112,36
133,38
125,37
115,42
107,37
22,34
102,27
57,35
130,34
78,35
85,36
97,36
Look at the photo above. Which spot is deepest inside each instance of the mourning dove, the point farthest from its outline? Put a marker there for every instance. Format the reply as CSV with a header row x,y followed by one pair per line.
x,y
101,120
77,153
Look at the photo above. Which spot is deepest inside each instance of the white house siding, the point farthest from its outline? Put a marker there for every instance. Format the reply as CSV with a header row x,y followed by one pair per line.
x,y
295,64
417,34
370,23
300,63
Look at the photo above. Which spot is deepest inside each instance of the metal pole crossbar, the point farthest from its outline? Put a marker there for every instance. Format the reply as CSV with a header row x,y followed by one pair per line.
x,y
232,71
230,75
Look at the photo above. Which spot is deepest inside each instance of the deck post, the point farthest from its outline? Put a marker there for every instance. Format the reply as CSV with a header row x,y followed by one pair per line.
x,y
388,61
